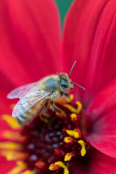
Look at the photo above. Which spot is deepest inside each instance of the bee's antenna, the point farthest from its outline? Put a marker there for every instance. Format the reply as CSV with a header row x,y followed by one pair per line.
x,y
71,69
78,85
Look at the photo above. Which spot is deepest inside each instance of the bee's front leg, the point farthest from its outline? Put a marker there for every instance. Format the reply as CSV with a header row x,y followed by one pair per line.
x,y
67,95
64,93
55,107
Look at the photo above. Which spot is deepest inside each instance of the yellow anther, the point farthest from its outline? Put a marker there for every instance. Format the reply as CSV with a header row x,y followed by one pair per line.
x,y
73,133
68,156
79,107
54,167
74,110
68,140
70,108
74,117
61,164
83,150
71,98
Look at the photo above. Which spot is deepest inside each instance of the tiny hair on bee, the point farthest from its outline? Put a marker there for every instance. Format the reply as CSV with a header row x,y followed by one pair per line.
x,y
35,97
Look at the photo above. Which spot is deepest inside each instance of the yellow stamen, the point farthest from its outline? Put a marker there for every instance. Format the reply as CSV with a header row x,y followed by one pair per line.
x,y
28,172
71,98
13,136
79,132
11,121
73,133
10,145
68,156
79,107
61,164
53,167
68,140
83,150
20,167
74,117
72,109
13,155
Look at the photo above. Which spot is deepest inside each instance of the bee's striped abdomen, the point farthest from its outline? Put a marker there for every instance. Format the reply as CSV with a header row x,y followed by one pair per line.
x,y
22,119
28,115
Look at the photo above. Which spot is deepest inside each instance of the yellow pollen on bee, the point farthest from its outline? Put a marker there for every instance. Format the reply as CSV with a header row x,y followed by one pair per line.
x,y
11,121
63,100
83,150
69,140
20,167
74,110
62,165
68,156
74,117
10,145
73,133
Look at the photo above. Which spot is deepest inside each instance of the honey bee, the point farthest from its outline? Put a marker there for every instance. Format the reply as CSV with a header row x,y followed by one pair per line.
x,y
35,95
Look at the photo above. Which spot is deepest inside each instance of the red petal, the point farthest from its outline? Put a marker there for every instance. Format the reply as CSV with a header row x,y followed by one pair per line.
x,y
5,88
30,46
101,121
102,164
90,38
5,104
6,166
96,162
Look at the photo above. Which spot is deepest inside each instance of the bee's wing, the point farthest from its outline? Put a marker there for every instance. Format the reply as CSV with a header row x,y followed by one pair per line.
x,y
21,91
28,102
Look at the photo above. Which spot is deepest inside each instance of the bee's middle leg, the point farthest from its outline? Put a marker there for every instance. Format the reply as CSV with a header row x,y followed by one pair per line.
x,y
45,117
55,107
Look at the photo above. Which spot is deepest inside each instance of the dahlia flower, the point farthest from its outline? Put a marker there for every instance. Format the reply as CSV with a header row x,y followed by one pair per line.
x,y
32,46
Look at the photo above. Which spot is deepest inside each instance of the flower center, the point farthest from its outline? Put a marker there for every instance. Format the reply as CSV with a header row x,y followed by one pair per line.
x,y
56,145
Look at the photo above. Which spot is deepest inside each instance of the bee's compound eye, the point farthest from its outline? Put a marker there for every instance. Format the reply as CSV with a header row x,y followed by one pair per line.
x,y
64,84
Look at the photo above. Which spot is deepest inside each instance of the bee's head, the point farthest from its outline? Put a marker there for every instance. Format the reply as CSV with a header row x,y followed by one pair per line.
x,y
66,83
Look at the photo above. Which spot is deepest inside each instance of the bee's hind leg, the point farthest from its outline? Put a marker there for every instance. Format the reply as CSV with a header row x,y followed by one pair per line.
x,y
44,117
